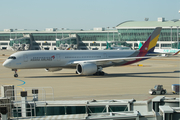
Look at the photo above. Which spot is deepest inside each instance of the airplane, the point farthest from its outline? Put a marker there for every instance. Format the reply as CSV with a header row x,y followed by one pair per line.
x,y
162,52
108,47
86,62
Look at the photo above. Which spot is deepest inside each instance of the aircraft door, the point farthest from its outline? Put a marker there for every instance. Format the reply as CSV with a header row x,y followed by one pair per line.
x,y
58,57
25,57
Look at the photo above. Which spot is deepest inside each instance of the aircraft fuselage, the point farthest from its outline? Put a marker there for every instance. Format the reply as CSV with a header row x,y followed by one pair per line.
x,y
53,59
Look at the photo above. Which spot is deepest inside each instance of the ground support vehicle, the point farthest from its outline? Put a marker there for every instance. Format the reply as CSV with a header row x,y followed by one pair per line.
x,y
175,88
158,89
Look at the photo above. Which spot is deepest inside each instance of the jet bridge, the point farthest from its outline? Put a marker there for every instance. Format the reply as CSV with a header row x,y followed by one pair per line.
x,y
32,104
20,44
68,43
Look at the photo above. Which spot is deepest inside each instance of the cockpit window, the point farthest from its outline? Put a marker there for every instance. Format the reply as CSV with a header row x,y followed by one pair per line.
x,y
12,57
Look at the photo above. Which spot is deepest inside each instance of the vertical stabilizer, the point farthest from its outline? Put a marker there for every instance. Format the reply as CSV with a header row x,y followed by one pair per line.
x,y
140,45
108,47
150,43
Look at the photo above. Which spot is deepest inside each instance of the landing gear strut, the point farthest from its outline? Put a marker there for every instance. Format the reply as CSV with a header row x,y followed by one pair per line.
x,y
15,74
99,71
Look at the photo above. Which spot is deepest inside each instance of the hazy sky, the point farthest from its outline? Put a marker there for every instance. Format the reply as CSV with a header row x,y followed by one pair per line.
x,y
82,14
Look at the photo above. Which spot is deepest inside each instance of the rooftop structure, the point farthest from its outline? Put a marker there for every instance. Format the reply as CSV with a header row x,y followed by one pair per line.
x,y
29,106
133,31
161,22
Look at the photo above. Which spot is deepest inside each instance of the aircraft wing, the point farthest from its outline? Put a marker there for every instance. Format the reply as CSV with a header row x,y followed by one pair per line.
x,y
104,61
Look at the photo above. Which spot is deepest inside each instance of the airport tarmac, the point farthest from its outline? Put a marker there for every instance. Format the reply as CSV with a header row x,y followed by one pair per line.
x,y
120,82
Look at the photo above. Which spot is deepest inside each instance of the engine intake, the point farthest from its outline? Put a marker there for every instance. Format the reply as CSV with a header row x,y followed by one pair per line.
x,y
86,68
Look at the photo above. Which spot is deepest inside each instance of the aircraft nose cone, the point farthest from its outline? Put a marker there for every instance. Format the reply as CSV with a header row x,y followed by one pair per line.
x,y
7,64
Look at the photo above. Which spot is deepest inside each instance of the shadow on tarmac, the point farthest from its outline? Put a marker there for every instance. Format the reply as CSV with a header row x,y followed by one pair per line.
x,y
144,74
170,93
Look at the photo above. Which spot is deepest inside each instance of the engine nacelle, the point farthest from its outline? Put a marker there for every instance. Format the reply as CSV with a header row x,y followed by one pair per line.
x,y
53,69
86,68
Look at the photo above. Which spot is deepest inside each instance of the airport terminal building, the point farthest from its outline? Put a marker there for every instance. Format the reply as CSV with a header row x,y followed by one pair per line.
x,y
128,33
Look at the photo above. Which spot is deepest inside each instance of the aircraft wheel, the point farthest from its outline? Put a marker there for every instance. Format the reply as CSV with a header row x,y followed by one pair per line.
x,y
154,93
101,73
163,92
96,73
15,75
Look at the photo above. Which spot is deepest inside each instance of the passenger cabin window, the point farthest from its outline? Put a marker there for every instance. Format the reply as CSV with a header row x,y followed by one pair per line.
x,y
12,57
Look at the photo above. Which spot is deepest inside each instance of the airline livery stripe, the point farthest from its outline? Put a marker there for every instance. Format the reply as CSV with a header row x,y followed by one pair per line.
x,y
153,42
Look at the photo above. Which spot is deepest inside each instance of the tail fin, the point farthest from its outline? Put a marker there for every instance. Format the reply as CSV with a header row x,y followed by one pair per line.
x,y
108,45
140,45
150,43
69,48
177,52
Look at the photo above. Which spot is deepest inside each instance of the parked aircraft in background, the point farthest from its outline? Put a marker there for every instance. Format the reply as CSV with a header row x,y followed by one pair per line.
x,y
163,52
86,62
108,47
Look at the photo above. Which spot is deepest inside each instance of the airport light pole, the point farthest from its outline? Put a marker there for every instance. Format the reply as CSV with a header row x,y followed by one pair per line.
x,y
62,32
16,33
179,76
171,37
113,33
108,34
10,35
56,33
177,38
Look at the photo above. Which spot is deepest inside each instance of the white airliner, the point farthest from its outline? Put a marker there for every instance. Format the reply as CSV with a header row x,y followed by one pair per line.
x,y
86,62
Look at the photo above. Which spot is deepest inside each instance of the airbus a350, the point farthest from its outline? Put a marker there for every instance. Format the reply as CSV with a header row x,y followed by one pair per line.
x,y
86,62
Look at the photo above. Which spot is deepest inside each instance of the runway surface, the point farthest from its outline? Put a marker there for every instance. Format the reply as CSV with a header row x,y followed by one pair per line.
x,y
119,83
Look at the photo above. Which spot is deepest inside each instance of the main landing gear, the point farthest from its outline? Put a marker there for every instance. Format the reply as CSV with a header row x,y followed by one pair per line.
x,y
15,74
99,73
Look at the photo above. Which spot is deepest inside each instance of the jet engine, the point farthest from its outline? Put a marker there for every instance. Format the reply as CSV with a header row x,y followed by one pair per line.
x,y
53,69
86,68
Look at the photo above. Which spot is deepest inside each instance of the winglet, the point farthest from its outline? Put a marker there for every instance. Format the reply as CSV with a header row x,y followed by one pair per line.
x,y
150,43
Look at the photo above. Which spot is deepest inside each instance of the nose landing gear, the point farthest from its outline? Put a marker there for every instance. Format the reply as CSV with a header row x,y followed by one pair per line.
x,y
15,74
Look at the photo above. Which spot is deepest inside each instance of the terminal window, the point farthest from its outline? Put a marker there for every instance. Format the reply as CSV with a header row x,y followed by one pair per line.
x,y
96,109
118,108
75,110
3,43
94,44
165,45
40,111
46,44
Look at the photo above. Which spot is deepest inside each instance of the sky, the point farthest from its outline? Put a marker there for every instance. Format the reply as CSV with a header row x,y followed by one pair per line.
x,y
82,14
